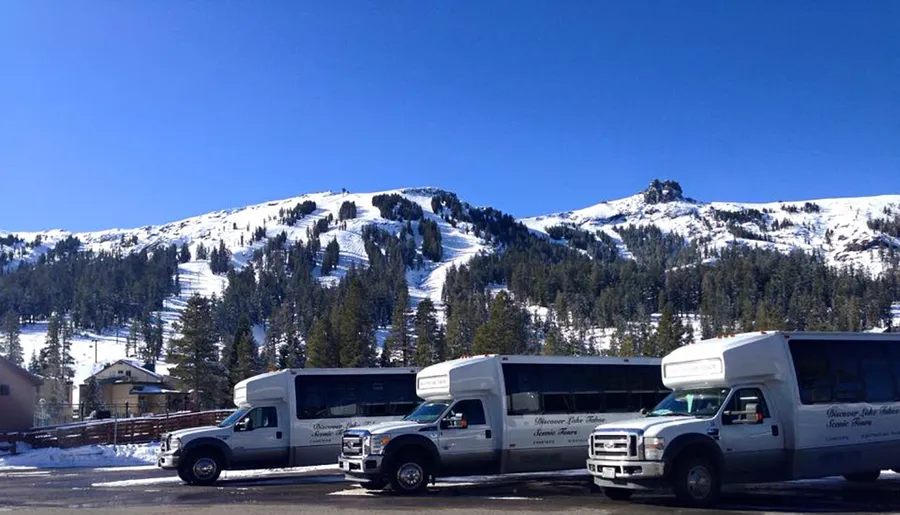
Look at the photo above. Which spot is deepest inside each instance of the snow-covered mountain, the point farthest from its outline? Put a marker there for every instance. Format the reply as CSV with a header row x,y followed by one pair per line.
x,y
840,229
837,228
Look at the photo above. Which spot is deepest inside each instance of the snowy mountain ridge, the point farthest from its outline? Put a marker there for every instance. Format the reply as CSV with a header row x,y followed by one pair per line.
x,y
840,229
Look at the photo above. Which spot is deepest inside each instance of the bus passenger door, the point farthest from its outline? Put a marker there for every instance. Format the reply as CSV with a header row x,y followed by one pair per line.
x,y
468,442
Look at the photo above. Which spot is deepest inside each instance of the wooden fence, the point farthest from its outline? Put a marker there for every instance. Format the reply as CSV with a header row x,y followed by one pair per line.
x,y
116,432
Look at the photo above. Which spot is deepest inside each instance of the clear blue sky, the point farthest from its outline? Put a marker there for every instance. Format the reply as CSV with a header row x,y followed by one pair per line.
x,y
122,114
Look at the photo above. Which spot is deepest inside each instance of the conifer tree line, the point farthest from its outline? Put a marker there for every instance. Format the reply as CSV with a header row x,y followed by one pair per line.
x,y
534,295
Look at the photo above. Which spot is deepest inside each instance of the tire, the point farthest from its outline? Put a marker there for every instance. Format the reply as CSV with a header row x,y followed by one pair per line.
x,y
863,477
696,482
618,494
409,475
182,473
201,468
376,484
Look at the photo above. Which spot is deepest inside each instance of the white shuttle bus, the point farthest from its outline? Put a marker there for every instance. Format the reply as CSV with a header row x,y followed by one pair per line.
x,y
760,407
500,414
289,418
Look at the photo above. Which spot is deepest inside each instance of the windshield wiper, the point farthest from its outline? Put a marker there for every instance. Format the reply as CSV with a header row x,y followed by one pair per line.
x,y
669,414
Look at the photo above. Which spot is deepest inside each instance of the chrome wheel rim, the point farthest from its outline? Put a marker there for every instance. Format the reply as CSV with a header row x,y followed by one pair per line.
x,y
699,482
204,468
410,476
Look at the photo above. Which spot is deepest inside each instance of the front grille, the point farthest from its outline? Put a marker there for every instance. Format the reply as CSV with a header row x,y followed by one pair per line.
x,y
614,446
351,445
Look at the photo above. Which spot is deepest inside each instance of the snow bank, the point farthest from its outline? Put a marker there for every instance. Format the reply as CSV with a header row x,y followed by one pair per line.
x,y
88,456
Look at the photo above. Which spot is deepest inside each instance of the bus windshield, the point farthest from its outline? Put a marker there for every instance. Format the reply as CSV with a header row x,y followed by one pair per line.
x,y
428,412
700,402
234,417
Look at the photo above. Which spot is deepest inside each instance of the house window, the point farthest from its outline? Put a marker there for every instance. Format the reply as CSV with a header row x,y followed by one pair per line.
x,y
128,373
4,390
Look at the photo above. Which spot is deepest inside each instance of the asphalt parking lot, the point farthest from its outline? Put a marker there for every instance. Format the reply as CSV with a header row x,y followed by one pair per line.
x,y
145,490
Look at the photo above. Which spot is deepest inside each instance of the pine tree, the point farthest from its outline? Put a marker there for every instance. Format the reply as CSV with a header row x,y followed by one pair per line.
x,y
10,344
292,353
356,336
429,347
669,333
132,339
399,339
185,255
93,395
195,356
55,361
331,256
555,343
321,347
34,364
246,359
504,332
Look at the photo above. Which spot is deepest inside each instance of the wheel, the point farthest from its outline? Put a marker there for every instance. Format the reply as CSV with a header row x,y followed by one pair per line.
x,y
376,484
863,477
409,475
696,482
618,494
200,469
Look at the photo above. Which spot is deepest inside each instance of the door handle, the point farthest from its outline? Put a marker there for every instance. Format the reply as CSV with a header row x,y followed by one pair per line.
x,y
278,435
487,434
774,430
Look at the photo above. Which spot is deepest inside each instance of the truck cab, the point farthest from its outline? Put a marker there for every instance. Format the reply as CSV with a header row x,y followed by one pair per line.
x,y
455,431
256,435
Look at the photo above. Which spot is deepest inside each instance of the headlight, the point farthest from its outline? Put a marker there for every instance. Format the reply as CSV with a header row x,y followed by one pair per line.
x,y
654,447
376,443
174,444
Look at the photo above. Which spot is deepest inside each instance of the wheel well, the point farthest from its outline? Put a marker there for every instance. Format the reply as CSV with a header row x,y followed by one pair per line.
x,y
416,450
696,449
208,450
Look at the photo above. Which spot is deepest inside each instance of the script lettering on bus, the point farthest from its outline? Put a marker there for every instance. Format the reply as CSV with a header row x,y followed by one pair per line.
x,y
561,426
839,417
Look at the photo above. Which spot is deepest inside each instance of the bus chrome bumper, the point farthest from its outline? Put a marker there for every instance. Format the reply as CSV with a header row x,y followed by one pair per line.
x,y
360,466
638,475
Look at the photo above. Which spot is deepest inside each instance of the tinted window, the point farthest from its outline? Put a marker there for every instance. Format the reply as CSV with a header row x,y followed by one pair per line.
x,y
472,412
846,371
813,373
559,389
369,395
876,373
893,354
844,365
400,393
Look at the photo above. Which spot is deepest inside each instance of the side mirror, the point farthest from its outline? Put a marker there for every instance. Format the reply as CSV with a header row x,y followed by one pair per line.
x,y
244,425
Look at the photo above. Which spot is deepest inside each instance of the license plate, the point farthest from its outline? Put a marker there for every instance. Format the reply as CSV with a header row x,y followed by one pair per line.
x,y
608,472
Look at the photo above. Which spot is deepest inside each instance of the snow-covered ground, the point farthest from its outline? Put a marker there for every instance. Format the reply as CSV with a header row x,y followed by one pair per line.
x,y
91,456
